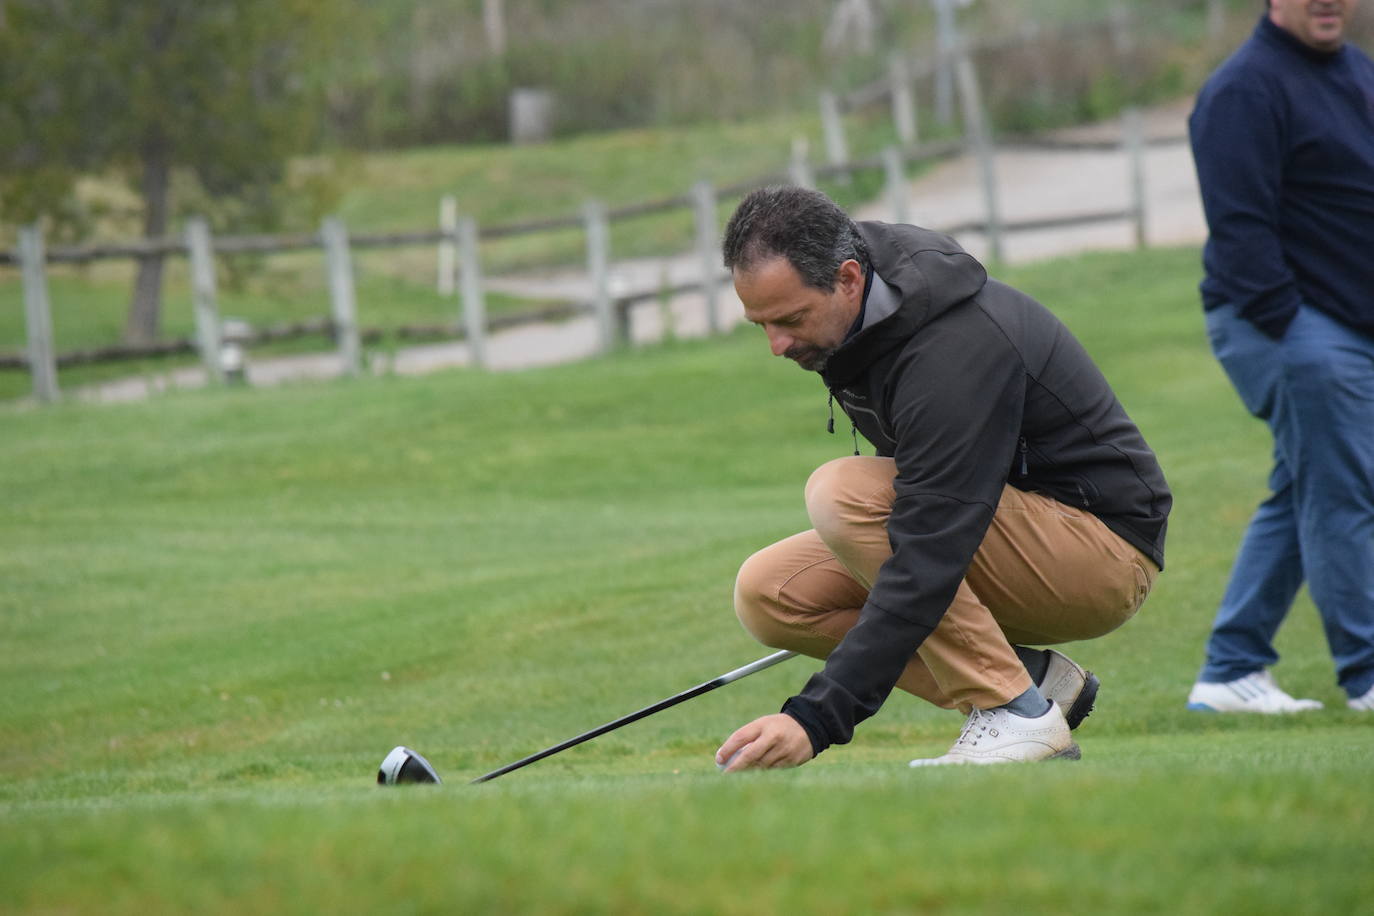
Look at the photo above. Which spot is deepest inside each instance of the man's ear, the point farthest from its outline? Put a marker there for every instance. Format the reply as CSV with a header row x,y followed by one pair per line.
x,y
851,278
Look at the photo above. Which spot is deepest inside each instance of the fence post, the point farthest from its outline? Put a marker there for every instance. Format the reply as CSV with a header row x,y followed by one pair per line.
x,y
708,252
1216,19
448,246
799,169
1133,139
474,300
836,147
903,102
1119,20
1040,64
898,194
341,293
202,257
38,313
946,40
975,125
599,270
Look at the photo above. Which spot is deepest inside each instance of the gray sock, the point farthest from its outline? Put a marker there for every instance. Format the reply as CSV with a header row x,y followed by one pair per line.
x,y
1037,661
1029,705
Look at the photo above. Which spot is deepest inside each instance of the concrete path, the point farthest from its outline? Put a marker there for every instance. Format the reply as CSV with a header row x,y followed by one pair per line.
x,y
1032,184
1035,184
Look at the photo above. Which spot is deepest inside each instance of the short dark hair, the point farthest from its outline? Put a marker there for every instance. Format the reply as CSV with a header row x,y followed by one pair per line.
x,y
803,226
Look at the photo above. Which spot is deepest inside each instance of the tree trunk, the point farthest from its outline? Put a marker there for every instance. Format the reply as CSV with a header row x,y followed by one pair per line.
x,y
145,311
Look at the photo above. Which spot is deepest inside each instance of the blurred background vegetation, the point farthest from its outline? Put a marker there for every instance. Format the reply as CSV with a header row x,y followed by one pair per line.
x,y
244,87
118,119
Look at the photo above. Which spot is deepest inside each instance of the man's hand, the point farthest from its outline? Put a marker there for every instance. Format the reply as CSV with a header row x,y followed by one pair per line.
x,y
772,741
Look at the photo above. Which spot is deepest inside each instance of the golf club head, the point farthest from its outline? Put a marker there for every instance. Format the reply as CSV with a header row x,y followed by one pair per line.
x,y
403,765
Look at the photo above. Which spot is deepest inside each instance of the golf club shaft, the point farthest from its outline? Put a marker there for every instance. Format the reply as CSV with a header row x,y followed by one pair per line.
x,y
726,678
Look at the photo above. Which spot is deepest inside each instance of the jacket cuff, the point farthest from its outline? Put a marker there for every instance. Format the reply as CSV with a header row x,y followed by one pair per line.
x,y
804,716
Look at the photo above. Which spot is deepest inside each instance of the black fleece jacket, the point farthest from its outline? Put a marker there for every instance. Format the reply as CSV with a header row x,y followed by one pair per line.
x,y
970,385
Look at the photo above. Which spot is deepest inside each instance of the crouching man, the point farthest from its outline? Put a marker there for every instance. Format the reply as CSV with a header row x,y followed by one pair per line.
x,y
1011,504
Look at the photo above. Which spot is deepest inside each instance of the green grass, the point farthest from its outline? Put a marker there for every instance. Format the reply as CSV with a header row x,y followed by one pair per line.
x,y
219,609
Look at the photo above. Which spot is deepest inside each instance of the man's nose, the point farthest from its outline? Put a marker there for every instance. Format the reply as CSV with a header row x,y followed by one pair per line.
x,y
779,342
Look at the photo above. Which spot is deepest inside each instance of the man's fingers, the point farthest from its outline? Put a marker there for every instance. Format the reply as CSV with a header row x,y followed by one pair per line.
x,y
741,759
739,739
772,741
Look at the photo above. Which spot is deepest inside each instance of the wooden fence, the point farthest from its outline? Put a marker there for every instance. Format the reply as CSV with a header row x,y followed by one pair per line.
x,y
459,238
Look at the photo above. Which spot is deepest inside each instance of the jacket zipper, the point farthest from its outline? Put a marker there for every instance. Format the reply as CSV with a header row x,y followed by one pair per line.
x,y
1023,446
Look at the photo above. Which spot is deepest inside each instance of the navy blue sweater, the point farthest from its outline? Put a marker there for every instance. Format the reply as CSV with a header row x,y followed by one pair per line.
x,y
1283,139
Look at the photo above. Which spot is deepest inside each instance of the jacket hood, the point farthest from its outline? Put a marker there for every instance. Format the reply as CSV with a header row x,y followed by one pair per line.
x,y
932,273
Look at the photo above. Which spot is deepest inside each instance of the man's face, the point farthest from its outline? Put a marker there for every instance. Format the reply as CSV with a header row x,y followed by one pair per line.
x,y
803,323
1319,24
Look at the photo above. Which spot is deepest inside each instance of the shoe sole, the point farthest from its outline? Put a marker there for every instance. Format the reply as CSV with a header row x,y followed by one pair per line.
x,y
1083,703
1071,752
1195,706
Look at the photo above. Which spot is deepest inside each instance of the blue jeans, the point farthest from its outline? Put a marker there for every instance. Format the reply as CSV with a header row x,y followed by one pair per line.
x,y
1315,390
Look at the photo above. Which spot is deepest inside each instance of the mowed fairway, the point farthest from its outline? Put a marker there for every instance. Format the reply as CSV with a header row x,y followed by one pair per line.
x,y
219,610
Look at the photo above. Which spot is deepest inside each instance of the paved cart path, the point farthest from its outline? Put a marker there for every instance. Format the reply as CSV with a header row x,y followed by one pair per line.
x,y
1032,184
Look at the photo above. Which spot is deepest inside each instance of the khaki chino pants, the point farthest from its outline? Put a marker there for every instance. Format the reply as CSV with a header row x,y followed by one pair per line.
x,y
1045,573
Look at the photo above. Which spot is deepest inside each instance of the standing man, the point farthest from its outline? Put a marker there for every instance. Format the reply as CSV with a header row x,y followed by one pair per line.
x,y
1283,138
1011,501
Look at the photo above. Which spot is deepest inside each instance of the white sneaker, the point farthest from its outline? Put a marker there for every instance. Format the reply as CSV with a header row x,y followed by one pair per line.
x,y
999,736
1069,686
1257,692
1365,702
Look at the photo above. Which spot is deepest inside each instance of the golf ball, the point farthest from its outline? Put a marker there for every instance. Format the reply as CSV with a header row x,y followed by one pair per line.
x,y
726,765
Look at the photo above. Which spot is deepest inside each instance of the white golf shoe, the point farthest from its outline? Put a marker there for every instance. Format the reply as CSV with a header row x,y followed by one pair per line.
x,y
1069,686
1256,692
1364,702
999,736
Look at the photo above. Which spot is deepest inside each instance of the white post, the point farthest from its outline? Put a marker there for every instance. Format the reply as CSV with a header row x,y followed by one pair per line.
x,y
448,245
1119,18
903,102
898,194
1216,19
341,293
599,270
1040,64
836,147
799,169
494,24
708,250
665,302
38,313
975,125
202,257
474,299
1133,139
946,40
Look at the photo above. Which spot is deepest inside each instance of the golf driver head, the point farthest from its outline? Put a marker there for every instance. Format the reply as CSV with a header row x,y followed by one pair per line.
x,y
403,765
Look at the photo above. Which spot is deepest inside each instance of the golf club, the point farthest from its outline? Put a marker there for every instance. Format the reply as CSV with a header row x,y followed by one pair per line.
x,y
404,765
705,687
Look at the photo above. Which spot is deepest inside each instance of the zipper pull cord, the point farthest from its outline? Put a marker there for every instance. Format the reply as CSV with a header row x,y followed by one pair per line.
x,y
1024,446
854,434
830,426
